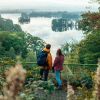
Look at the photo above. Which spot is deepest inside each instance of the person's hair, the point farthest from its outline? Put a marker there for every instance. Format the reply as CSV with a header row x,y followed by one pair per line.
x,y
48,46
59,52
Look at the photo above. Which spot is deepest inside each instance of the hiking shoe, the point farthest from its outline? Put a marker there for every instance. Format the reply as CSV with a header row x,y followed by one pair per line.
x,y
59,87
41,79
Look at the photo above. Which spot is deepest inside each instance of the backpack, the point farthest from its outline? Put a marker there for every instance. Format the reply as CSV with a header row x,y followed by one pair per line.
x,y
42,58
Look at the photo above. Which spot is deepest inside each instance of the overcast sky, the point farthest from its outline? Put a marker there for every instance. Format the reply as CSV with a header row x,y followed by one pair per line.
x,y
69,5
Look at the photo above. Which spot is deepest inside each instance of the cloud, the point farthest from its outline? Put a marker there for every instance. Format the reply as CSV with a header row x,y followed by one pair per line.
x,y
44,4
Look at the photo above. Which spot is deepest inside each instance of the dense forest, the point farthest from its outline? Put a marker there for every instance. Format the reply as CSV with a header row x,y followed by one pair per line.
x,y
14,42
87,51
7,25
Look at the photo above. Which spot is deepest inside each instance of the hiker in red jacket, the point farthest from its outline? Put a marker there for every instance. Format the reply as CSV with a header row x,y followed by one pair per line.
x,y
58,66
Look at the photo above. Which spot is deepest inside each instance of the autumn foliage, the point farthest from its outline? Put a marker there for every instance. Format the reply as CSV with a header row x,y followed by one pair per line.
x,y
90,22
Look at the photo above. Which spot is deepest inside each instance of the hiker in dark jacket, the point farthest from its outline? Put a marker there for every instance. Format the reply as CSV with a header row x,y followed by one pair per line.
x,y
58,66
44,70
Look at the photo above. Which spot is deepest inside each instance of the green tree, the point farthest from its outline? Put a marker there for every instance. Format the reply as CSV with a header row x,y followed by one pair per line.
x,y
89,48
34,43
98,1
21,42
71,52
31,56
65,49
13,41
2,50
17,28
7,25
12,53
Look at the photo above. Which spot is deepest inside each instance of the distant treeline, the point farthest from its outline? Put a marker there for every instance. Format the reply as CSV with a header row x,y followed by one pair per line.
x,y
65,14
16,11
32,13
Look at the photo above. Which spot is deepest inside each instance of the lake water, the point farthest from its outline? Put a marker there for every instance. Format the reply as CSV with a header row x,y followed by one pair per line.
x,y
41,27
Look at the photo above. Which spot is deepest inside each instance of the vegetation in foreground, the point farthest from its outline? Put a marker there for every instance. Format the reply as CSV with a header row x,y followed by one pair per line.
x,y
14,42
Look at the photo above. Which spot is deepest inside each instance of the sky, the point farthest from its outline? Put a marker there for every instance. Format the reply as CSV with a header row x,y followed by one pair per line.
x,y
53,5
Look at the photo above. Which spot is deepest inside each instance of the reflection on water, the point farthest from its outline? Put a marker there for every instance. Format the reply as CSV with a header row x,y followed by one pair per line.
x,y
24,18
41,27
60,25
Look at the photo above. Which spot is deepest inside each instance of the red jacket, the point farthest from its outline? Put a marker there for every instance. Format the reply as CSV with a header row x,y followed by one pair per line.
x,y
58,63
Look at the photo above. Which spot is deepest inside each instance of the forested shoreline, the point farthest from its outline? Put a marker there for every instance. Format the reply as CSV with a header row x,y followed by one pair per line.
x,y
15,42
12,38
87,51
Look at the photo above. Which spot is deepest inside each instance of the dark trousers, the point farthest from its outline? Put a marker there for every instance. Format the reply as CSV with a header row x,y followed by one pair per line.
x,y
44,74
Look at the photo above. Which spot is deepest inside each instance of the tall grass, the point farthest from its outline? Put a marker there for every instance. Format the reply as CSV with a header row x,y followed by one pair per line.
x,y
15,77
96,93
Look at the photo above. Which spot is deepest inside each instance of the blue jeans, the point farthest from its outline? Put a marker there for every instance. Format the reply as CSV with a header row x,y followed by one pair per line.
x,y
58,77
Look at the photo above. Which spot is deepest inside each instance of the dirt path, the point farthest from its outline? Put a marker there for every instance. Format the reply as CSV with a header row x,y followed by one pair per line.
x,y
56,95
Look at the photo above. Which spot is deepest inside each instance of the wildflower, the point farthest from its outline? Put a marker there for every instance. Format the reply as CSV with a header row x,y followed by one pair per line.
x,y
70,92
96,93
15,78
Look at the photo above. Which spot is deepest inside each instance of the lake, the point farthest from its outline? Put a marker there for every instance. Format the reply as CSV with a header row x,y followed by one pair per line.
x,y
41,27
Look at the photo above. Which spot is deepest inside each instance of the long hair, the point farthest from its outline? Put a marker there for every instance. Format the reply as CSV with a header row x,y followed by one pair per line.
x,y
59,52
